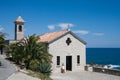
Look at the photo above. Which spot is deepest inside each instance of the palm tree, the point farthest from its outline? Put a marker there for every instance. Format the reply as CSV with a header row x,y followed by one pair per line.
x,y
17,52
35,50
30,51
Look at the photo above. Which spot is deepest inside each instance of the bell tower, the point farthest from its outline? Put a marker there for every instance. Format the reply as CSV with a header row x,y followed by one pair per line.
x,y
19,28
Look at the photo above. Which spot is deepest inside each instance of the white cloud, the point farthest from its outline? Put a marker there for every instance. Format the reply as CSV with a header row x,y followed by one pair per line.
x,y
51,27
98,34
65,25
1,28
82,32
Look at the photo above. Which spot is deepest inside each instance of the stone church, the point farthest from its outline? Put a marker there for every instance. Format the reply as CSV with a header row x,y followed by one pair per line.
x,y
64,45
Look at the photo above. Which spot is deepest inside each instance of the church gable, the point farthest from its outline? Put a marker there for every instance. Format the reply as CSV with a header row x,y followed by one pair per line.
x,y
68,39
51,37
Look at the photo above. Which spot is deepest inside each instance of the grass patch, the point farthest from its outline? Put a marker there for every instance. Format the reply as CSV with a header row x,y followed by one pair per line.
x,y
38,75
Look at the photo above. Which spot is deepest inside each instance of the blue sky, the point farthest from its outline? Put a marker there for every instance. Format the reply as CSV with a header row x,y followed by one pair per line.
x,y
95,21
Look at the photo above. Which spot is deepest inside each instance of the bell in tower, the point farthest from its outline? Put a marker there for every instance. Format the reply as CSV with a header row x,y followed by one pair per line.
x,y
19,28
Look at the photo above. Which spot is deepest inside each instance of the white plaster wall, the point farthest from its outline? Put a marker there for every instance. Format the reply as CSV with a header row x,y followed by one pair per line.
x,y
60,48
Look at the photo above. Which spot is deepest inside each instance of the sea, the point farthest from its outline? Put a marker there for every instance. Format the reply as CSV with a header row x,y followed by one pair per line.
x,y
104,56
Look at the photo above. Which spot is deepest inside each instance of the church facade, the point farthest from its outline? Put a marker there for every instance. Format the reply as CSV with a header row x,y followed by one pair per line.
x,y
66,48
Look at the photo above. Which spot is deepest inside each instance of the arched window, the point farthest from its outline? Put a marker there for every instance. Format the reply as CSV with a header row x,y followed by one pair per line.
x,y
20,28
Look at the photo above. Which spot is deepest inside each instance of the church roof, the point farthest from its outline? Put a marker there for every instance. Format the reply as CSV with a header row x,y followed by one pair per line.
x,y
52,36
47,37
19,19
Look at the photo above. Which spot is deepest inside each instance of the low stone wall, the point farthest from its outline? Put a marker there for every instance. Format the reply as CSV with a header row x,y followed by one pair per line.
x,y
107,71
102,70
89,68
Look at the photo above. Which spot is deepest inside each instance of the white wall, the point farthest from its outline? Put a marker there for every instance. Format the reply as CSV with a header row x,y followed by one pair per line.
x,y
60,48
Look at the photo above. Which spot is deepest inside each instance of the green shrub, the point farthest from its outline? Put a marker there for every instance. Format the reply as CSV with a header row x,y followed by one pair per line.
x,y
33,64
44,68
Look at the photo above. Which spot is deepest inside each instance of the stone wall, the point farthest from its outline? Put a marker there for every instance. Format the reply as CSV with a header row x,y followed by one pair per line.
x,y
107,71
103,70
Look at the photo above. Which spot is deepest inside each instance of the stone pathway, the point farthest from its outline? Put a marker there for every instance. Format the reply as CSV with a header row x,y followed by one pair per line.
x,y
21,76
6,68
83,75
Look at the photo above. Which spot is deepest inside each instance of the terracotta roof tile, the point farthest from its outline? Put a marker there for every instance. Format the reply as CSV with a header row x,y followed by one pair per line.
x,y
51,36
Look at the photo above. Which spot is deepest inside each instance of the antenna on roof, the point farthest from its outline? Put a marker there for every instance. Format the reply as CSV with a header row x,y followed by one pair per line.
x,y
68,27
